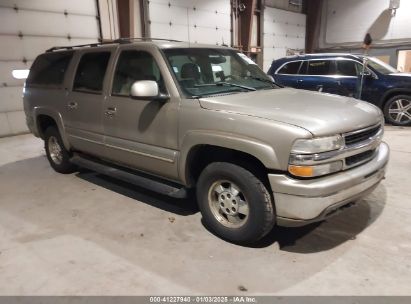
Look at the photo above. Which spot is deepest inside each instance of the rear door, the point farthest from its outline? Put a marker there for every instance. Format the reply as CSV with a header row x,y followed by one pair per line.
x,y
85,102
318,75
287,74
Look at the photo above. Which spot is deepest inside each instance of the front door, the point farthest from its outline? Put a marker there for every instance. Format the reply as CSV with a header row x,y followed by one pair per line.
x,y
85,100
287,75
141,134
318,75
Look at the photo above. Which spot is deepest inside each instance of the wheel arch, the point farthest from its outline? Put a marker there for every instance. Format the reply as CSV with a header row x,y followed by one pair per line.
x,y
45,118
391,93
202,149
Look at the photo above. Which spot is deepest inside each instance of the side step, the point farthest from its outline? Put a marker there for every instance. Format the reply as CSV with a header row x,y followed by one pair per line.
x,y
165,187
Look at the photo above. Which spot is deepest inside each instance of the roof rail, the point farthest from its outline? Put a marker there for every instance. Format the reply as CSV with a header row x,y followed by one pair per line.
x,y
119,41
129,40
70,47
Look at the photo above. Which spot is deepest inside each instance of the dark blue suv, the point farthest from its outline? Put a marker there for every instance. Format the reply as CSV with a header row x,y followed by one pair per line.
x,y
341,74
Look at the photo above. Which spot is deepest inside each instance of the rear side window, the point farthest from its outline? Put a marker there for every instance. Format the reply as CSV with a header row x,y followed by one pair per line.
x,y
320,67
48,69
290,68
90,72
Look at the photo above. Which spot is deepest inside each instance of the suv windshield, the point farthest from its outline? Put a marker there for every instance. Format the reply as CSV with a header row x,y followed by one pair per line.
x,y
207,71
380,66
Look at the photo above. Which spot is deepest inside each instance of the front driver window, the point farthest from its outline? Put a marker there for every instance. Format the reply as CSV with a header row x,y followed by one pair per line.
x,y
133,66
348,68
320,67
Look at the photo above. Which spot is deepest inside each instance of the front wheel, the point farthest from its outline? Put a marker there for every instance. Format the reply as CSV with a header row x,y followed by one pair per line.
x,y
234,203
397,110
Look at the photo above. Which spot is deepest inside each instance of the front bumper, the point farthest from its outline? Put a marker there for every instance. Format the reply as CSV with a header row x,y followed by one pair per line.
x,y
300,202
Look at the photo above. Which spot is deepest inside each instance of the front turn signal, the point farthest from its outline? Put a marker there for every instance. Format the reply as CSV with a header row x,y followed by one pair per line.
x,y
302,171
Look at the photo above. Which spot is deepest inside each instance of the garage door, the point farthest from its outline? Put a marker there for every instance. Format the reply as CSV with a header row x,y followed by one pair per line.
x,y
197,21
282,31
28,28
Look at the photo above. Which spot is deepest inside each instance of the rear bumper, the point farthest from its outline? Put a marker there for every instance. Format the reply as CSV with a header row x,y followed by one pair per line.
x,y
300,202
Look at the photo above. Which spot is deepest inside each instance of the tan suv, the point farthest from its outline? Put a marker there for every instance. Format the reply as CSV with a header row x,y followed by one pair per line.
x,y
171,116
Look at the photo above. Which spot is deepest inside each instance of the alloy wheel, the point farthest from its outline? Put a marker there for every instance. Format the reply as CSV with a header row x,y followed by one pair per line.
x,y
228,204
400,111
55,150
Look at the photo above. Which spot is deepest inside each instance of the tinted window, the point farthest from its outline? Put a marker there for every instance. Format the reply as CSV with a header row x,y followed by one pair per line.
x,y
348,68
49,69
303,68
90,72
133,66
290,68
320,67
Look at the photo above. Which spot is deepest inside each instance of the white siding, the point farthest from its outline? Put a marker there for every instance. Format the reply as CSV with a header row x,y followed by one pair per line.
x,y
195,21
28,28
348,21
283,30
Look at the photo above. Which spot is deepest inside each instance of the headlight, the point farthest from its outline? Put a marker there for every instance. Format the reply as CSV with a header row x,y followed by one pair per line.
x,y
317,145
305,152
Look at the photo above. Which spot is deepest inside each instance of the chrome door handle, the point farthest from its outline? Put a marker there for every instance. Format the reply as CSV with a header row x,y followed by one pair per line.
x,y
110,112
72,105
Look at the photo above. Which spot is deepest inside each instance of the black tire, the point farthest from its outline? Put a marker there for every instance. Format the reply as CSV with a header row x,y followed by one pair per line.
x,y
261,214
52,136
393,105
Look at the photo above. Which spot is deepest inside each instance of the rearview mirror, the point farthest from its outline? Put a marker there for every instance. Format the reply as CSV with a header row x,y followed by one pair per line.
x,y
148,90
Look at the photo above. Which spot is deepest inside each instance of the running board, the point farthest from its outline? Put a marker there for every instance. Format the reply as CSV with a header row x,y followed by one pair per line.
x,y
133,178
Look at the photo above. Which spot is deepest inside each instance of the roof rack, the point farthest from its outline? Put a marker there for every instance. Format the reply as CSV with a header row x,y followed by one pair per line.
x,y
129,40
118,41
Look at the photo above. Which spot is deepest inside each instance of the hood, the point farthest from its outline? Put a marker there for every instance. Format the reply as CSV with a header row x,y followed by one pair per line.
x,y
321,114
401,76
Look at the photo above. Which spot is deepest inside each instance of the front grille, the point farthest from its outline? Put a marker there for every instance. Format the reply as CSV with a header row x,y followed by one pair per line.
x,y
358,137
359,158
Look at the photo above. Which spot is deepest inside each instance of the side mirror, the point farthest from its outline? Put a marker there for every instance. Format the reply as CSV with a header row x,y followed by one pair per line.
x,y
147,90
368,74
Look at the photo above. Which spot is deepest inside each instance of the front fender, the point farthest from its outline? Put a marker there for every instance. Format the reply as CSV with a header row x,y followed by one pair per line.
x,y
262,151
392,92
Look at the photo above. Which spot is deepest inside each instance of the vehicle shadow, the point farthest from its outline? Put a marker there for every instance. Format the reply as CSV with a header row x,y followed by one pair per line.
x,y
322,236
316,237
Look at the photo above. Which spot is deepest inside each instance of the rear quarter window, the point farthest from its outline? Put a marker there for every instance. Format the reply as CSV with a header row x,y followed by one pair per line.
x,y
48,69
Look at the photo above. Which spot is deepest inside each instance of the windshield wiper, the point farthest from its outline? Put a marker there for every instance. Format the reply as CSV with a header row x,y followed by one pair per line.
x,y
228,84
264,80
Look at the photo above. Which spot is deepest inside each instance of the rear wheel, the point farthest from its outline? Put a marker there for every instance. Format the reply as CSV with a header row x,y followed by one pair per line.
x,y
58,156
397,110
234,203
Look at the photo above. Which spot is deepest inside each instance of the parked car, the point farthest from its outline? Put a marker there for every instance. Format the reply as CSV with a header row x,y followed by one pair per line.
x,y
341,74
172,116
